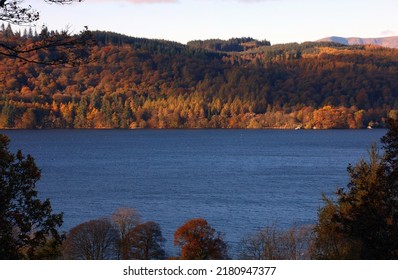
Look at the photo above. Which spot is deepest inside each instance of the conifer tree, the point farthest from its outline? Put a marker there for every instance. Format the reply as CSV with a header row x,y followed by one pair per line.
x,y
27,224
362,223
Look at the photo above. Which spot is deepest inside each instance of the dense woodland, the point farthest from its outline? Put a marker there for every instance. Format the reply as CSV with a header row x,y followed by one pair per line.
x,y
231,45
240,83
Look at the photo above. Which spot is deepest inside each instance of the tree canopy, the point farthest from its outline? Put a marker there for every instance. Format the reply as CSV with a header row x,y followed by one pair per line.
x,y
231,45
124,220
145,242
273,243
362,223
122,236
27,224
92,240
199,241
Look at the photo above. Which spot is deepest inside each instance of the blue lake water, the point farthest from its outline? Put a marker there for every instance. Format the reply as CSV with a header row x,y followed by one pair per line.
x,y
239,180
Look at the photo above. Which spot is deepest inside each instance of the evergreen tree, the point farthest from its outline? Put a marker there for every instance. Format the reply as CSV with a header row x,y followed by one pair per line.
x,y
363,222
27,224
390,146
8,33
390,169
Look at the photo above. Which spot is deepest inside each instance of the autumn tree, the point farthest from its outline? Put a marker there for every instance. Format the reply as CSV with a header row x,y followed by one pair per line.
x,y
27,224
199,241
125,220
92,240
145,242
272,243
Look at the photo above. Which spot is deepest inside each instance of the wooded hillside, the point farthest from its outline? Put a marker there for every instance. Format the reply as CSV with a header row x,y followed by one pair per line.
x,y
142,83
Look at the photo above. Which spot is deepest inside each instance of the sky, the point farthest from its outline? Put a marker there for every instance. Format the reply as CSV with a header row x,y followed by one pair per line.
x,y
279,21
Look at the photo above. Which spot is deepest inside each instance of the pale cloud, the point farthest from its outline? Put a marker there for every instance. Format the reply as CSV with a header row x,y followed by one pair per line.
x,y
386,33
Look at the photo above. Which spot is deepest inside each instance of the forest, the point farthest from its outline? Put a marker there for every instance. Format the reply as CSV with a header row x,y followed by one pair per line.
x,y
239,83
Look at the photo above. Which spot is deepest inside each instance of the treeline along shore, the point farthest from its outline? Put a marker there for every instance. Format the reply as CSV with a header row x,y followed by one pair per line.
x,y
238,83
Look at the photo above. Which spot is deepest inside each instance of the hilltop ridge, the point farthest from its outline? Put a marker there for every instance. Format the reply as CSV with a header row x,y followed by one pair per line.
x,y
145,83
388,42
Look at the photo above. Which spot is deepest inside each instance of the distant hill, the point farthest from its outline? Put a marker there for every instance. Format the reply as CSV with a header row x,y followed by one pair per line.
x,y
388,42
231,45
236,83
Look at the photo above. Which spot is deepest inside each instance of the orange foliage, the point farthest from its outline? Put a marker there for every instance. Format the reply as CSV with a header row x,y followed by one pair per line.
x,y
329,117
147,83
199,241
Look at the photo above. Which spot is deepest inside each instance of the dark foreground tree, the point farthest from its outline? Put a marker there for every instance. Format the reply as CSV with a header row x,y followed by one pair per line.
x,y
51,48
363,221
390,160
145,242
92,240
199,241
27,224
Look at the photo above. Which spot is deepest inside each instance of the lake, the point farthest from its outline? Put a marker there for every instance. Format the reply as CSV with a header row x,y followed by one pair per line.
x,y
239,180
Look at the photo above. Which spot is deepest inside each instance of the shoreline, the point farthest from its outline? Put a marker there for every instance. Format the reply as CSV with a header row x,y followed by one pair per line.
x,y
199,128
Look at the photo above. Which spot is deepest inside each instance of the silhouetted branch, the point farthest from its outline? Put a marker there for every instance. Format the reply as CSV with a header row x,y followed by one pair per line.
x,y
51,48
59,48
12,12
